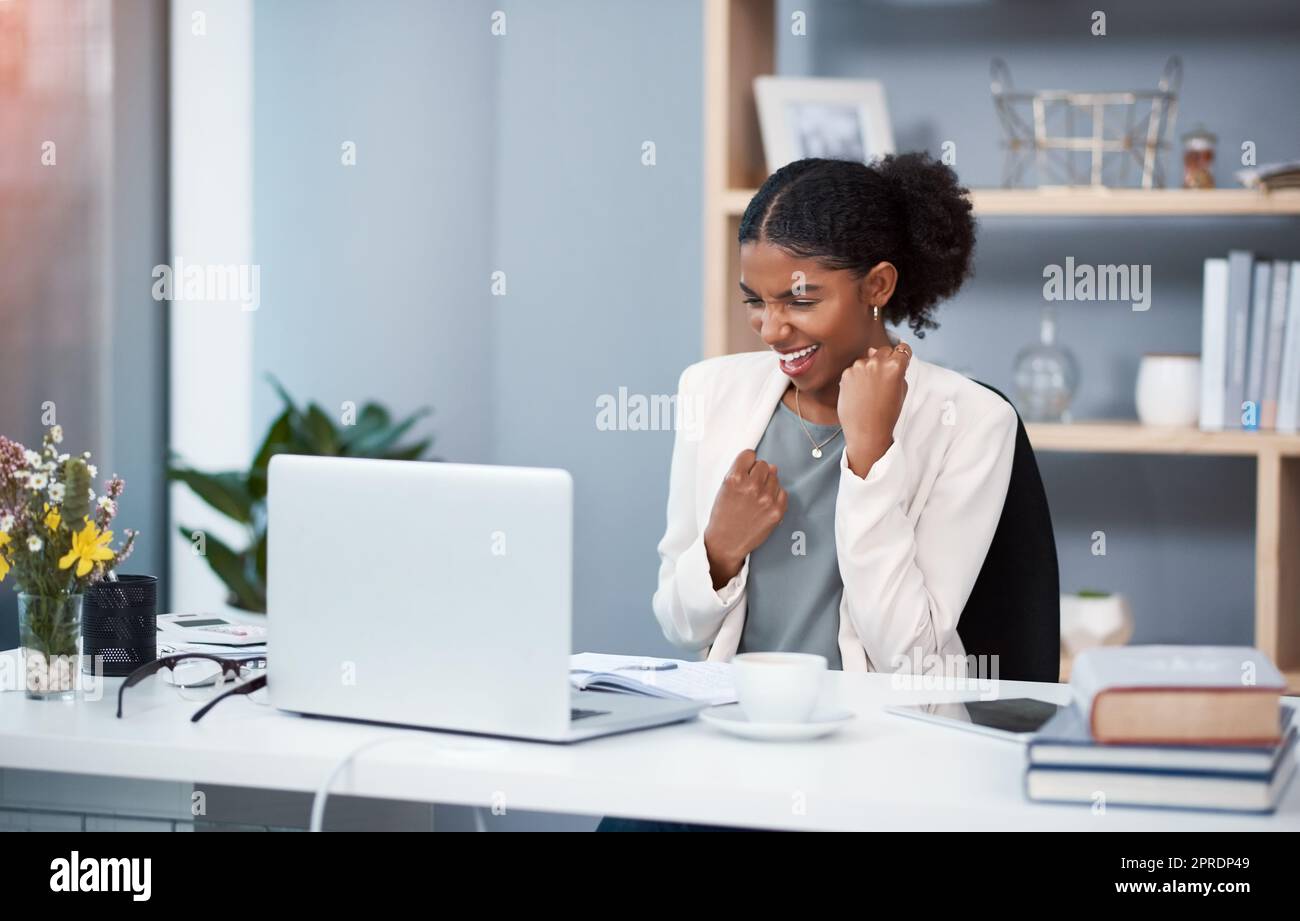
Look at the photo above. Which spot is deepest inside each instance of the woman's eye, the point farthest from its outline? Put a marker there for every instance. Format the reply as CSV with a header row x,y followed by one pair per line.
x,y
803,303
752,302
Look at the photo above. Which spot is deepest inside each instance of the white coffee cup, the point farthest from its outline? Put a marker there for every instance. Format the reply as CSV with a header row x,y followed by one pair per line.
x,y
778,687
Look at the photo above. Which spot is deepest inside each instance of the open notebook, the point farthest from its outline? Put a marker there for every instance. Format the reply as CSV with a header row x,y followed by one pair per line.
x,y
706,681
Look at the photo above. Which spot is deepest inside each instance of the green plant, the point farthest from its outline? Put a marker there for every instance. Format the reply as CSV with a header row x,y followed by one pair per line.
x,y
241,495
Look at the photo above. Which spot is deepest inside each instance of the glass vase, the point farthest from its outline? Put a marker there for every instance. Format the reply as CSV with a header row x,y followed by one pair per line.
x,y
1047,376
49,633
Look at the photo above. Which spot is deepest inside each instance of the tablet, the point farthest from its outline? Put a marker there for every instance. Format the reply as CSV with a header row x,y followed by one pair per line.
x,y
1015,719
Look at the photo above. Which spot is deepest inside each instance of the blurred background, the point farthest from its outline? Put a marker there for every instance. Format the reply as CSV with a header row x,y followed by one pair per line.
x,y
450,210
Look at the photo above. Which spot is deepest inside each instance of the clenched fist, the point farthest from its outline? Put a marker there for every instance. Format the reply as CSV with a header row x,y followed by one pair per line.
x,y
872,390
747,509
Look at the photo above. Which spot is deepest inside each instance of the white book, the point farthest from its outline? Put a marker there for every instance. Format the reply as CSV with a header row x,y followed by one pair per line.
x,y
1275,336
1214,350
1261,299
1240,269
1288,394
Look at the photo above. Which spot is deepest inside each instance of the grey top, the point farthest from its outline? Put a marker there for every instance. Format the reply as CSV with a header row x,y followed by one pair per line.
x,y
793,588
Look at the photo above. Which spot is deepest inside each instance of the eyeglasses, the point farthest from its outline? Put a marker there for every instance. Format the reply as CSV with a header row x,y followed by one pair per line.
x,y
199,676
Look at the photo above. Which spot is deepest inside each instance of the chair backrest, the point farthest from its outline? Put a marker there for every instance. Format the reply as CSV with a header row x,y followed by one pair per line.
x,y
1014,610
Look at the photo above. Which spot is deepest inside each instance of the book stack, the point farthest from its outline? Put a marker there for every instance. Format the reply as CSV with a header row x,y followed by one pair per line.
x,y
1272,176
1191,727
1250,344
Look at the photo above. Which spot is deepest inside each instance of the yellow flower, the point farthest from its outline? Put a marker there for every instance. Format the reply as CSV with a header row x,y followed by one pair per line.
x,y
52,517
4,564
89,546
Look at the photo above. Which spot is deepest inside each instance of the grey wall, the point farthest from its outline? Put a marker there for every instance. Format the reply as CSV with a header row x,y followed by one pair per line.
x,y
1180,532
374,276
519,153
603,260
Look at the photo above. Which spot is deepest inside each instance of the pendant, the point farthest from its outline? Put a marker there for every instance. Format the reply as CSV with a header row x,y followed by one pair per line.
x,y
817,452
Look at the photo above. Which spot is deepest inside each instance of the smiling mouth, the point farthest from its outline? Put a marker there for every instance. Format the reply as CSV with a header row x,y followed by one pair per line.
x,y
798,361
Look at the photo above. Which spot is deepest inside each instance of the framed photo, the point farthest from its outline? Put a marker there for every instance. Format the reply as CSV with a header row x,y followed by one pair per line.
x,y
815,117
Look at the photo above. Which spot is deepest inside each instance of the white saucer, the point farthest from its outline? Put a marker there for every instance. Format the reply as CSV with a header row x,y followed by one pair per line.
x,y
731,719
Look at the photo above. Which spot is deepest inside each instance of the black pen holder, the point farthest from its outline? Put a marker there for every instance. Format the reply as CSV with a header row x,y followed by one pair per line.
x,y
119,624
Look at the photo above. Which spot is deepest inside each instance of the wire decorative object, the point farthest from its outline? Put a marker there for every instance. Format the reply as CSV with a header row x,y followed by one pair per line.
x,y
1098,135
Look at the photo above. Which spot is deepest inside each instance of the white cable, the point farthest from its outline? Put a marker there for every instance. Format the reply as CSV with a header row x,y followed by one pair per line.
x,y
322,792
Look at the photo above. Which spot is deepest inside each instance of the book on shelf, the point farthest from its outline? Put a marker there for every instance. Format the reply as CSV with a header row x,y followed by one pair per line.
x,y
1276,330
1288,394
1240,264
1261,299
1250,344
1270,177
1214,325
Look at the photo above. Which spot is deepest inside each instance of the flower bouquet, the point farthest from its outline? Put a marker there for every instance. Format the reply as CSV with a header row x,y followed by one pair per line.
x,y
55,542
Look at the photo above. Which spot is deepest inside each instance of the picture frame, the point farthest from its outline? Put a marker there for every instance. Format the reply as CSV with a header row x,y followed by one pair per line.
x,y
822,117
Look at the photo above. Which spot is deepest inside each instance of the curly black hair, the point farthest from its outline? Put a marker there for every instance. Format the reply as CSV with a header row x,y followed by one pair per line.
x,y
907,209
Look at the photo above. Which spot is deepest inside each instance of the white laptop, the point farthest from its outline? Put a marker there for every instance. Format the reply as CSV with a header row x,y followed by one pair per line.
x,y
431,595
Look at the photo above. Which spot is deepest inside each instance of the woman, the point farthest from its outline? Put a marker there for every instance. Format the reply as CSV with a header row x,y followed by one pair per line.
x,y
840,494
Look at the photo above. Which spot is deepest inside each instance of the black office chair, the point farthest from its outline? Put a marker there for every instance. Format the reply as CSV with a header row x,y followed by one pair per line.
x,y
1014,610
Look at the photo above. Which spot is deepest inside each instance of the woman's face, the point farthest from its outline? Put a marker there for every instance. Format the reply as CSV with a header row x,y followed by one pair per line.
x,y
830,315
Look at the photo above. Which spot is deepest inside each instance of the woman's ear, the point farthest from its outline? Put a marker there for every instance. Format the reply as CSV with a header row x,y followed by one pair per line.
x,y
877,286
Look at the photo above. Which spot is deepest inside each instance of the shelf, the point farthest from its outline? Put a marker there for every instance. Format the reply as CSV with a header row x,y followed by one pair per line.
x,y
1064,202
1132,437
1133,202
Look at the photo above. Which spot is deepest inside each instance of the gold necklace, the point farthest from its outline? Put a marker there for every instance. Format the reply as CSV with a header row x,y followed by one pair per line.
x,y
816,448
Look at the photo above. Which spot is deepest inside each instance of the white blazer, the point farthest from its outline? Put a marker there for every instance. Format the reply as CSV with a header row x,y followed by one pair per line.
x,y
911,537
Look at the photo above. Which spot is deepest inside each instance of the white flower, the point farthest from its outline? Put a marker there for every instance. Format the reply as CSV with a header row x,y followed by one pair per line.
x,y
106,503
38,481
56,434
86,455
32,457
91,494
63,458
93,470
6,523
56,492
34,544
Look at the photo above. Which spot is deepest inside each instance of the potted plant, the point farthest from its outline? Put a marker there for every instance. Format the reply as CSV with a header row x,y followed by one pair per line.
x,y
1094,618
241,494
55,542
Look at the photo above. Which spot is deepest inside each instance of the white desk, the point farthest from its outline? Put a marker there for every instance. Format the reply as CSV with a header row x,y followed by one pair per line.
x,y
881,773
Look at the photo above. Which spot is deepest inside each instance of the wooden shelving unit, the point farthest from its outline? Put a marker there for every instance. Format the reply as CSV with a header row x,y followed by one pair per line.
x,y
740,44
